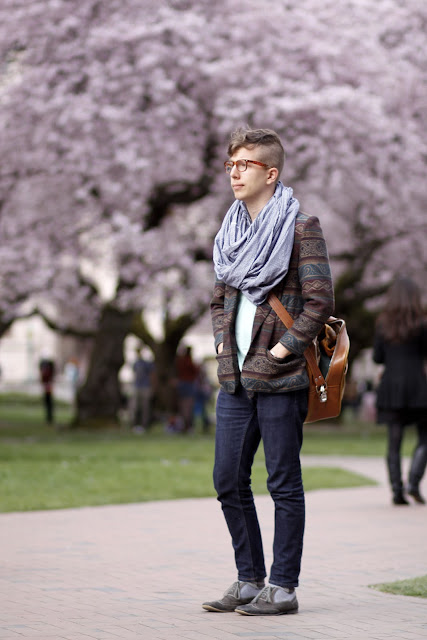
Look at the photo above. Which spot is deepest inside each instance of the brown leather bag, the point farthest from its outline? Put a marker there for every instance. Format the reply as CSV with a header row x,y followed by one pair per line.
x,y
327,364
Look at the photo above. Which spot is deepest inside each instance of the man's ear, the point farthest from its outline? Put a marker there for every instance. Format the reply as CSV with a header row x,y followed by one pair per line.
x,y
272,175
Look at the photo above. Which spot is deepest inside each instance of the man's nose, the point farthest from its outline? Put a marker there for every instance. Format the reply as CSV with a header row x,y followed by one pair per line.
x,y
234,171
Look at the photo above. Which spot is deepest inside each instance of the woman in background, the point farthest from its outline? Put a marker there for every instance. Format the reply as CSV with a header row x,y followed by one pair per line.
x,y
401,345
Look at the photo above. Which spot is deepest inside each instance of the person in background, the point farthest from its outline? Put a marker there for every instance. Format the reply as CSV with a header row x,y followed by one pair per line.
x,y
203,393
401,346
187,372
47,376
352,397
368,398
143,370
72,373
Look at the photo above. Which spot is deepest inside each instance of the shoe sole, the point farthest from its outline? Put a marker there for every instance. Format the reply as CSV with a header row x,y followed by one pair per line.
x,y
265,613
209,607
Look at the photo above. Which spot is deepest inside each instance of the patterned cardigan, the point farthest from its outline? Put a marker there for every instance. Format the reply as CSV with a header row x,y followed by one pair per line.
x,y
306,292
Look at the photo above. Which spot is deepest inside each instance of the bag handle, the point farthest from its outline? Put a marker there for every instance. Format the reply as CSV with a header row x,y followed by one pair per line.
x,y
309,353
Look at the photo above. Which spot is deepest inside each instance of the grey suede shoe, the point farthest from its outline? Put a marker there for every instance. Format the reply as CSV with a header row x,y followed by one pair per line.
x,y
266,603
233,598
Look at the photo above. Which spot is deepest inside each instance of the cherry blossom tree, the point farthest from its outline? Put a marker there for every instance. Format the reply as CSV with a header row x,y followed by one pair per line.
x,y
114,123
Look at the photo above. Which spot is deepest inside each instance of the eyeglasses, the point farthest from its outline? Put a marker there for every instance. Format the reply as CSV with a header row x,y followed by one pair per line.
x,y
241,165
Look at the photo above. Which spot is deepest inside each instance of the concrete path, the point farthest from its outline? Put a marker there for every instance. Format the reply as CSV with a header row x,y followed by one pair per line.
x,y
143,570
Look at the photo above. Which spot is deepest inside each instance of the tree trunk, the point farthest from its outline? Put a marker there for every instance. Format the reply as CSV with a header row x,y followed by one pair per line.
x,y
100,398
4,326
164,355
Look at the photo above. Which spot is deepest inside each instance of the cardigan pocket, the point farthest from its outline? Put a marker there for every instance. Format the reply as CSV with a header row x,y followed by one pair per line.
x,y
277,360
264,364
289,359
225,369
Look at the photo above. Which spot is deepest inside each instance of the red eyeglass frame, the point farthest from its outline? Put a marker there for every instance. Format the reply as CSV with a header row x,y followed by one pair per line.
x,y
233,163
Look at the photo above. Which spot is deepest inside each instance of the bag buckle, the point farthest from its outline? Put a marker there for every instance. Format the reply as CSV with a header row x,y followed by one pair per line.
x,y
322,392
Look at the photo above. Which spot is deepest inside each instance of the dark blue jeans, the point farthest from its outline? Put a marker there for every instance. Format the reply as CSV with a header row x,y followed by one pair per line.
x,y
242,421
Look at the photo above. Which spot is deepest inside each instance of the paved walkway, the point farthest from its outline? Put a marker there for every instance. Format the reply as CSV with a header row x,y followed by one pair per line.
x,y
142,570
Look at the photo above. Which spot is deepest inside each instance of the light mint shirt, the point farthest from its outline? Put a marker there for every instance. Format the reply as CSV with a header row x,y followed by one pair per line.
x,y
244,323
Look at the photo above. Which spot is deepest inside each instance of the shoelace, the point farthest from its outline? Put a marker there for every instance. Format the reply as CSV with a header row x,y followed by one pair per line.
x,y
234,590
265,594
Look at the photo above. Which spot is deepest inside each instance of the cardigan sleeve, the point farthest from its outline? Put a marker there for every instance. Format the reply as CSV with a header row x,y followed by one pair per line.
x,y
316,289
217,312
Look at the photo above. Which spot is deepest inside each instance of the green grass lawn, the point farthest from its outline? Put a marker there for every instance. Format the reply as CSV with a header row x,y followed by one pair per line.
x,y
416,587
46,468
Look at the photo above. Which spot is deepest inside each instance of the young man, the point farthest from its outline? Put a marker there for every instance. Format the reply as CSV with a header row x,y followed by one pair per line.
x,y
265,243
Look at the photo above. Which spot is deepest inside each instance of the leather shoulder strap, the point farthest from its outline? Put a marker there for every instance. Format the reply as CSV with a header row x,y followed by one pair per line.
x,y
274,302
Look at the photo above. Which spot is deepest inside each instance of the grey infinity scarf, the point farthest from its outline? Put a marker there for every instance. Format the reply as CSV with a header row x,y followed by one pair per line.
x,y
254,256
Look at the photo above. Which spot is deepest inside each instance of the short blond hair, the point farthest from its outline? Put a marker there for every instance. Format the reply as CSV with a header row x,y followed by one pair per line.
x,y
266,140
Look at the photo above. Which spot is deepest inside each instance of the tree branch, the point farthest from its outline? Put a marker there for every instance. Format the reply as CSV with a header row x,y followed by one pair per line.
x,y
169,193
65,330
